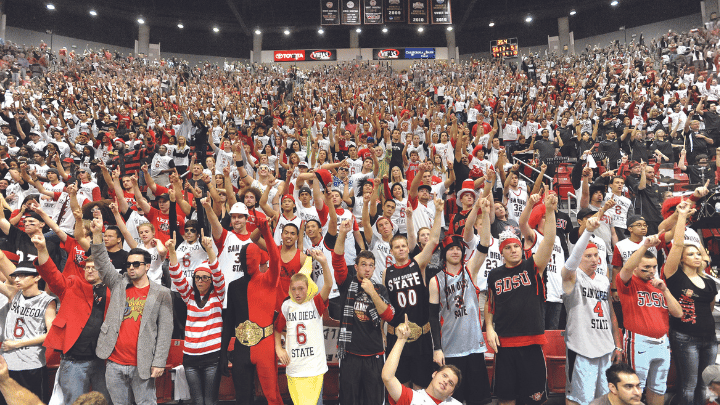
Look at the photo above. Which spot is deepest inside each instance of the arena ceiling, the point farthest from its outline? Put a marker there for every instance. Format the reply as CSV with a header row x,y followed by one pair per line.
x,y
116,22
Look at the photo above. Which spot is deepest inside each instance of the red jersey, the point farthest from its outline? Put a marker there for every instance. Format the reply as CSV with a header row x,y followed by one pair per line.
x,y
644,309
161,222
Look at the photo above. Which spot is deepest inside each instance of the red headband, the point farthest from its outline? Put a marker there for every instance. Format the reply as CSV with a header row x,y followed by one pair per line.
x,y
591,245
507,242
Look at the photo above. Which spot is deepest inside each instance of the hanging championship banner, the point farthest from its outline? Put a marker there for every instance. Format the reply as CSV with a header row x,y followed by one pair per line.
x,y
395,11
351,12
440,12
329,12
373,12
418,12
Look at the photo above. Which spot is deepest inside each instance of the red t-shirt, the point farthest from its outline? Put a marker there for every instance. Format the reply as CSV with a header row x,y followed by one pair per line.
x,y
76,258
125,352
161,222
252,219
644,309
129,197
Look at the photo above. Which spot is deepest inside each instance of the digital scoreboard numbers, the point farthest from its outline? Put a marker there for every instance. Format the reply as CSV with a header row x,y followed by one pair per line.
x,y
504,48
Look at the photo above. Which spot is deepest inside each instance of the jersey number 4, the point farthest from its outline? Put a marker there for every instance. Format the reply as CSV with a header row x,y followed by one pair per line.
x,y
598,310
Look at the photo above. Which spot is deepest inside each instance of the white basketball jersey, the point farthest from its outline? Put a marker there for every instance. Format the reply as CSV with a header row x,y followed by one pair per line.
x,y
516,201
189,257
26,320
282,221
317,270
229,257
154,271
494,259
619,211
421,397
304,342
556,263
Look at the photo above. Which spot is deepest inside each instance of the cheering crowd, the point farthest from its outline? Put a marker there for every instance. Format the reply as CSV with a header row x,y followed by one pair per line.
x,y
145,202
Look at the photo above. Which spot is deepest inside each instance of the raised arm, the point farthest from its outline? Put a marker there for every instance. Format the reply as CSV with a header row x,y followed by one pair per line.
x,y
542,256
634,261
392,384
672,264
479,256
525,229
215,225
424,257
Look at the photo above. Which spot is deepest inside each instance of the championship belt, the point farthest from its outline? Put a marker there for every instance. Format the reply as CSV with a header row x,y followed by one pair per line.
x,y
415,330
249,333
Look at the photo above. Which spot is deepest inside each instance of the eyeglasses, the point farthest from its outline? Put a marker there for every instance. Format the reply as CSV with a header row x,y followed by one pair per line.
x,y
134,264
640,225
190,230
202,278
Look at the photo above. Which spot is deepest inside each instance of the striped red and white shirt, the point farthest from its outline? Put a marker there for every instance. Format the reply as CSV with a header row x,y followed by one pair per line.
x,y
203,327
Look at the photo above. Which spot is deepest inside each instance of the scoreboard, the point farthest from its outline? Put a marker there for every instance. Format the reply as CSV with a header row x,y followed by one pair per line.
x,y
504,48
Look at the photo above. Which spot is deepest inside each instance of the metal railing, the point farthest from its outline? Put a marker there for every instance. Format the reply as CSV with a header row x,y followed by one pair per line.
x,y
573,213
550,179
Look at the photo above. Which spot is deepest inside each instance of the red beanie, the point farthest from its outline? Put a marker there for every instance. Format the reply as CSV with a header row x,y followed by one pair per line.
x,y
536,215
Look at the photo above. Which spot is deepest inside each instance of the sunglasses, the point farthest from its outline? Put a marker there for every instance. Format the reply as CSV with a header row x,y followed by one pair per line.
x,y
202,278
190,230
134,264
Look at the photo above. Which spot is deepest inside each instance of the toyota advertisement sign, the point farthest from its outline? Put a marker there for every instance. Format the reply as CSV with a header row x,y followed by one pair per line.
x,y
303,55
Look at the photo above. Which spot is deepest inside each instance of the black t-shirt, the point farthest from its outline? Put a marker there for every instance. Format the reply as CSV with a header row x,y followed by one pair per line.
x,y
696,302
665,147
119,259
462,172
639,151
546,148
396,159
612,151
516,297
408,295
366,337
564,226
18,247
700,174
84,347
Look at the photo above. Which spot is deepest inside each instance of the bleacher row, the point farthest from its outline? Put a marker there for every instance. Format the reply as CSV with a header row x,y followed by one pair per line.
x,y
555,356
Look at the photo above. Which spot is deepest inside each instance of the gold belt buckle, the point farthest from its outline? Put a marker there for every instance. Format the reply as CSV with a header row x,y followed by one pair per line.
x,y
249,333
415,331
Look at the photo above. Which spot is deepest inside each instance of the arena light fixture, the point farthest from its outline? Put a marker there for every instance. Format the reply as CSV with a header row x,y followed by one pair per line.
x,y
573,12
385,30
286,32
93,13
258,32
450,28
216,30
358,30
492,24
614,3
180,25
321,31
141,20
421,29
528,19
50,6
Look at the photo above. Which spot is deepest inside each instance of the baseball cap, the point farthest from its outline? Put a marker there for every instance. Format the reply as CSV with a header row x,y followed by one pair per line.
x,y
303,164
634,218
711,374
584,213
425,186
305,189
165,196
239,208
28,268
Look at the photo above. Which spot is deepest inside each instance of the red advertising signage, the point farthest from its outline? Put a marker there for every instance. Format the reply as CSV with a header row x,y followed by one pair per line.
x,y
300,55
289,56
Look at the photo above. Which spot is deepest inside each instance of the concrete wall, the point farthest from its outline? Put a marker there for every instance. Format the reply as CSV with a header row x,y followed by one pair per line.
x,y
27,37
649,31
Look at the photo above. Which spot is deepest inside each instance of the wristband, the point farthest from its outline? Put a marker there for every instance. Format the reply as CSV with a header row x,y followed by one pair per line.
x,y
613,290
619,349
239,163
488,182
482,249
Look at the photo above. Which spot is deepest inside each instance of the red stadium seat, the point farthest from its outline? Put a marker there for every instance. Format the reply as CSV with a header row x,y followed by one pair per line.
x,y
555,358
